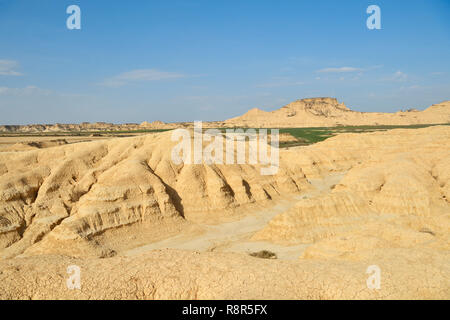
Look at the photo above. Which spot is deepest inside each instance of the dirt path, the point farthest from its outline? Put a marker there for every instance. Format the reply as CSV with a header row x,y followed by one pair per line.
x,y
235,236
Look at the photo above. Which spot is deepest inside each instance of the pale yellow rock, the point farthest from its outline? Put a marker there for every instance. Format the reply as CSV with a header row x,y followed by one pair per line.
x,y
404,176
77,192
318,218
90,204
311,112
328,112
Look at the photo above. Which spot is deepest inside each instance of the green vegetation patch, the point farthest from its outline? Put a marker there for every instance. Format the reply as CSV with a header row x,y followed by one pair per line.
x,y
264,254
307,136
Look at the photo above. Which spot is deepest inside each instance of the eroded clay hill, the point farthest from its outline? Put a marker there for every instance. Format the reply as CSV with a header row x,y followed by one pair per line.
x,y
88,203
328,112
395,193
85,127
69,199
312,112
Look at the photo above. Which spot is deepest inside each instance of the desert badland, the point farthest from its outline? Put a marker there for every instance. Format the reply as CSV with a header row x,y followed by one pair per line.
x,y
110,200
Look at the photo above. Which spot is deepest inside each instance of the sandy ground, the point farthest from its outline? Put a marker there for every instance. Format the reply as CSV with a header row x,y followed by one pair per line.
x,y
236,236
141,227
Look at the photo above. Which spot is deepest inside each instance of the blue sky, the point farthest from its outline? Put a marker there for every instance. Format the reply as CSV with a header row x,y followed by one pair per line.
x,y
135,61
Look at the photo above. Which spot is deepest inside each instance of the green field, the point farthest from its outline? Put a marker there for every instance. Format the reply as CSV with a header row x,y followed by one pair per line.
x,y
311,135
307,136
304,136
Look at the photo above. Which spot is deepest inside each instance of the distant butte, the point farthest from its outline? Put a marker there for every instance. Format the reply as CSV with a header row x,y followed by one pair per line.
x,y
328,112
311,112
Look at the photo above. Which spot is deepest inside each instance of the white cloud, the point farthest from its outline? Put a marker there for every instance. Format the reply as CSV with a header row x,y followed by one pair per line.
x,y
348,69
280,84
397,77
140,75
340,70
7,68
413,87
27,91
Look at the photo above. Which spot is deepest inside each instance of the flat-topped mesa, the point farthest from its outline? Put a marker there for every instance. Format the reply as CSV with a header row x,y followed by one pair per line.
x,y
156,123
318,100
313,103
317,106
326,112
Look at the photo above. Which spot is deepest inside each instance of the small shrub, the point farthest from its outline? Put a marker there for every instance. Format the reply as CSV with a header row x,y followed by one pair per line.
x,y
264,254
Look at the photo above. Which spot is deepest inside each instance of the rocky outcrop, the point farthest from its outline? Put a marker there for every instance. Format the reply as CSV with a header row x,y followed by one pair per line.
x,y
311,112
393,197
85,127
328,112
87,204
60,200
